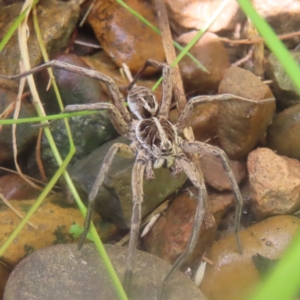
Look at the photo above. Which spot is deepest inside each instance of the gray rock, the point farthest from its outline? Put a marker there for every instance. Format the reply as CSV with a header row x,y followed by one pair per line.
x,y
285,92
114,199
62,272
283,134
283,17
89,132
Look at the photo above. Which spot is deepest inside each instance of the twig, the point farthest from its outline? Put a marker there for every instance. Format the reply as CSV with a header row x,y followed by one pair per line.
x,y
259,39
15,211
244,59
156,211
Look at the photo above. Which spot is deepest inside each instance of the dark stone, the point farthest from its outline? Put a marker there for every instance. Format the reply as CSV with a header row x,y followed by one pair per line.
x,y
114,199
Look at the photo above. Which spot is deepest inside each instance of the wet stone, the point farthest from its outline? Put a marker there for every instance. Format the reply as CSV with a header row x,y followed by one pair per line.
x,y
242,123
57,21
42,275
170,234
284,90
204,121
125,38
233,275
13,186
89,132
114,199
215,175
283,134
25,133
211,53
73,88
274,182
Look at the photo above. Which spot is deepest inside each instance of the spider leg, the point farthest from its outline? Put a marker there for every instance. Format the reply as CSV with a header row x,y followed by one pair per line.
x,y
198,181
118,148
118,99
137,193
197,147
116,118
167,84
187,113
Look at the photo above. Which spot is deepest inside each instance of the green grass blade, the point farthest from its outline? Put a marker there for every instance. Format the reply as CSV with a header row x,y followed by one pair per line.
x,y
36,204
99,246
47,118
273,42
15,26
284,282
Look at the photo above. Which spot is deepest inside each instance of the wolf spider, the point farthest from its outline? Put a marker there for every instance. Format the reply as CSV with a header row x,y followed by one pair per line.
x,y
155,143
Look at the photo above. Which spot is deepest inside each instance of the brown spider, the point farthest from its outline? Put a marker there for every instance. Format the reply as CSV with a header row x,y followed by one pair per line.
x,y
155,143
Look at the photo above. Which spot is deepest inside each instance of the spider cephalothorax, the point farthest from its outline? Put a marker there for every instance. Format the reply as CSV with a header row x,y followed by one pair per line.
x,y
142,102
155,143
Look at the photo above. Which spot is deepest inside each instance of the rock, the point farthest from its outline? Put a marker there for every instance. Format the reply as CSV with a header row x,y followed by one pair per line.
x,y
215,175
13,186
114,199
61,270
73,88
89,132
210,51
204,121
274,182
234,276
25,133
227,224
57,21
284,133
285,91
123,36
282,17
53,221
170,234
195,13
242,124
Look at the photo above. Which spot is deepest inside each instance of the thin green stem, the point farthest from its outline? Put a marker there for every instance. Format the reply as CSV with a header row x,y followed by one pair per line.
x,y
36,204
283,283
99,246
47,118
15,26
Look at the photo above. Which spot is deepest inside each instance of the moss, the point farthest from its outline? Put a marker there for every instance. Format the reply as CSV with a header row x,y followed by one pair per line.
x,y
63,203
3,206
25,207
62,236
28,249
